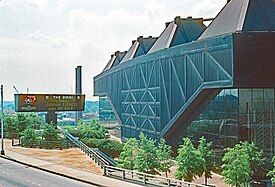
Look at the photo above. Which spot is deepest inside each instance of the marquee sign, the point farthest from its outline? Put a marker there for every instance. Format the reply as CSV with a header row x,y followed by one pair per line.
x,y
48,102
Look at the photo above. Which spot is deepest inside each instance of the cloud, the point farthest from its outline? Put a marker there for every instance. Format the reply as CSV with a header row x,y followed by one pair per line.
x,y
54,42
42,41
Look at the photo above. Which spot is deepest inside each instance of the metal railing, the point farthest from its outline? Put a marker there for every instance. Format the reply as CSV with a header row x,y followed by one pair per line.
x,y
144,178
108,165
98,156
111,161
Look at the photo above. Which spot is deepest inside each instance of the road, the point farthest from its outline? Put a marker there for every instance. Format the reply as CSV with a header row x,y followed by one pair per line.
x,y
13,174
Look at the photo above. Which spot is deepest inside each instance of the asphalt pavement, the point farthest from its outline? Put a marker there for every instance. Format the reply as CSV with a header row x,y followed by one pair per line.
x,y
13,174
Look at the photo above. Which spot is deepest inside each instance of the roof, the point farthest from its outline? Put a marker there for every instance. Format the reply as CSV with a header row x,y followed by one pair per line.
x,y
115,59
179,31
139,47
243,15
260,16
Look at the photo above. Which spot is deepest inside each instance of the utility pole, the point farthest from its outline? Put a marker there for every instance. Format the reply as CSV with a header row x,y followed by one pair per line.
x,y
2,122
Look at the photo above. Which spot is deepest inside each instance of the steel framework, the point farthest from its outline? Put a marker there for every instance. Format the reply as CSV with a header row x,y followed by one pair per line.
x,y
159,93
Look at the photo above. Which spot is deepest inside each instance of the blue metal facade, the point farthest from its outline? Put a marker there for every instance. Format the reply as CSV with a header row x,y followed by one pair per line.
x,y
160,93
150,92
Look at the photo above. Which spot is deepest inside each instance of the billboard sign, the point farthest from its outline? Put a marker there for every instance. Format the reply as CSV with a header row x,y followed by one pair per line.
x,y
48,102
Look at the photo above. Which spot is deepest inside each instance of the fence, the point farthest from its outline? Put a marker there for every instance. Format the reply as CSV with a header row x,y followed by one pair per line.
x,y
144,178
108,164
98,156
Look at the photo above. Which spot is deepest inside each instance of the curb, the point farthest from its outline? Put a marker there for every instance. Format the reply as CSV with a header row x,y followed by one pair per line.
x,y
53,172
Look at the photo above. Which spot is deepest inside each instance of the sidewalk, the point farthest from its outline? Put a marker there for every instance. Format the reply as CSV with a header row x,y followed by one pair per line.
x,y
43,161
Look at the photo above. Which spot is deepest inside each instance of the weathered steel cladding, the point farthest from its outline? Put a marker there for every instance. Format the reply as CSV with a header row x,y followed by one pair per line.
x,y
151,92
254,60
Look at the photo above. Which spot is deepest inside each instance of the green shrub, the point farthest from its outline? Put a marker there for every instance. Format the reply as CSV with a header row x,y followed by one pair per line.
x,y
93,129
72,130
29,138
109,147
19,122
51,138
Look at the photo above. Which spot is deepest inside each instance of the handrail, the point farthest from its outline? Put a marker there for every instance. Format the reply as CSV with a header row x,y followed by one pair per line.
x,y
146,178
108,165
94,153
106,157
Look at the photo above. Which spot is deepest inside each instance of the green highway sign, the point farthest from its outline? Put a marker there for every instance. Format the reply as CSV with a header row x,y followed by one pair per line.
x,y
48,102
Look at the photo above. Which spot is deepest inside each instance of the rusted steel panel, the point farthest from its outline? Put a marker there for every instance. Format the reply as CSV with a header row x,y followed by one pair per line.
x,y
254,60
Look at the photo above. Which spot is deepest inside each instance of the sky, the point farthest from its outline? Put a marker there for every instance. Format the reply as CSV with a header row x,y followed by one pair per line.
x,y
42,41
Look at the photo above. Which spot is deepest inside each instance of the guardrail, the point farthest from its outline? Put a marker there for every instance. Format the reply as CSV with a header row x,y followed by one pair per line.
x,y
110,170
94,155
98,156
111,161
144,178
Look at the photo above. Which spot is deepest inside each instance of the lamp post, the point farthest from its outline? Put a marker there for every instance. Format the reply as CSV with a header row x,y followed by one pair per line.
x,y
2,122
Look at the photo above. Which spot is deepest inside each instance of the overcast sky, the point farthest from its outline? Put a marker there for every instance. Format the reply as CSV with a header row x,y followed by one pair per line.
x,y
42,41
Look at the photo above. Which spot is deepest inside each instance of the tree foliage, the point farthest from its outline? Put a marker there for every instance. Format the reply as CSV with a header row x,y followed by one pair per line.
x,y
34,121
209,157
164,152
25,125
190,162
19,122
9,126
92,129
110,147
146,158
255,158
50,136
242,163
146,155
29,138
236,168
94,134
127,157
272,172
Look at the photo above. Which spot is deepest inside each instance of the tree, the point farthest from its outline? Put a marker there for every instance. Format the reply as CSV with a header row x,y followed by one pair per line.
x,y
255,156
236,169
209,158
190,162
272,172
146,158
128,155
34,121
9,126
50,136
92,129
20,122
164,152
29,138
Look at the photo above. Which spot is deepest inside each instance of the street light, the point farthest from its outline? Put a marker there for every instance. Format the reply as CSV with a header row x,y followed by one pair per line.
x,y
2,122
